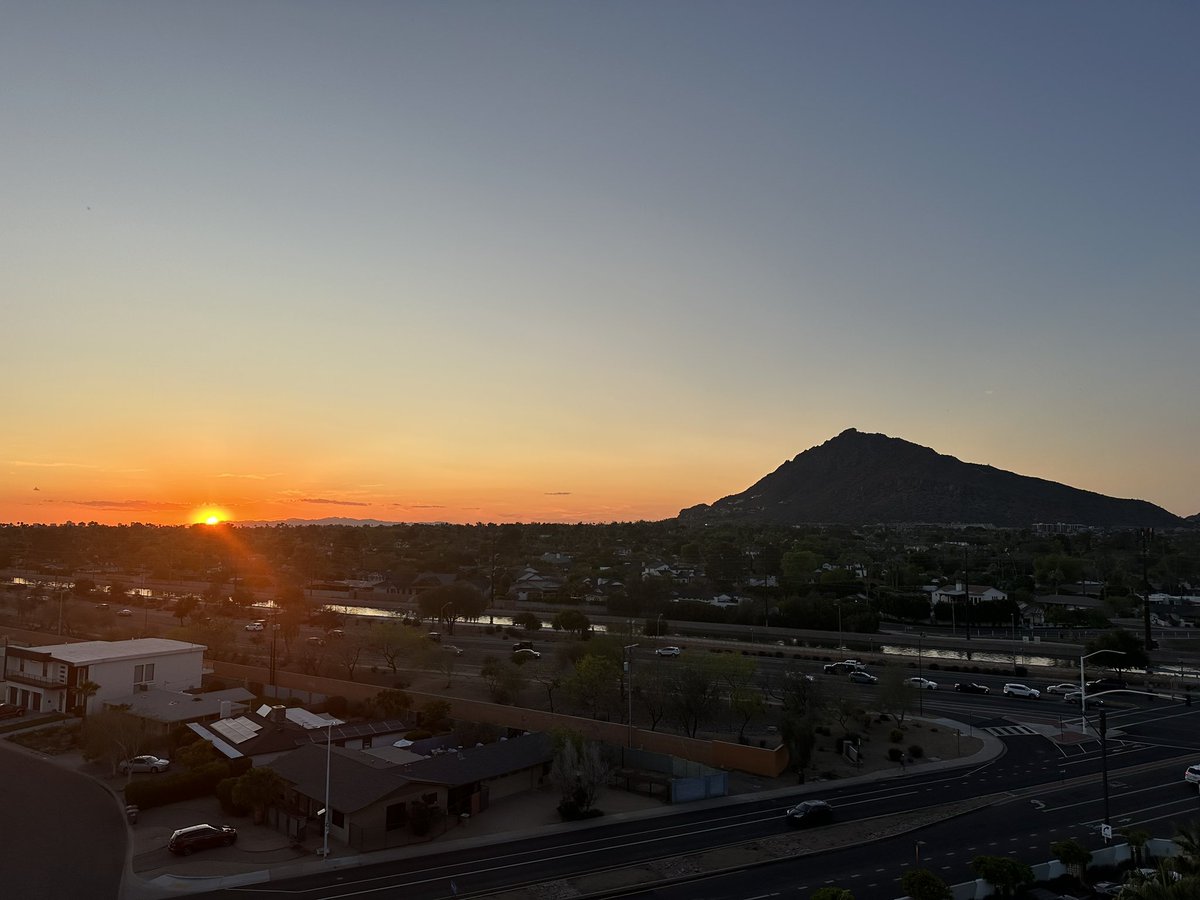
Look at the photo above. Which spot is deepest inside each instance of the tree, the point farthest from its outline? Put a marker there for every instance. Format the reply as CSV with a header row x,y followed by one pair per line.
x,y
922,884
504,680
831,893
651,691
448,603
1187,838
392,704
196,754
547,672
185,606
1006,875
433,713
1073,855
799,734
695,690
347,652
85,691
113,735
895,694
594,685
258,789
527,621
579,771
1136,838
572,621
1124,642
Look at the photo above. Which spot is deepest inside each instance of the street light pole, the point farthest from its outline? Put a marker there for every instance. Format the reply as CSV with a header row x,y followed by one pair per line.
x,y
629,687
921,693
328,811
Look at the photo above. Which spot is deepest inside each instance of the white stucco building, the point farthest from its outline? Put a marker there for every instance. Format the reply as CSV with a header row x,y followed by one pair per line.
x,y
48,678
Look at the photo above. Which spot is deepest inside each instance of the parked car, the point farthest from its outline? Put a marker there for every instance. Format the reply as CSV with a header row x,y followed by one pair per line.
x,y
317,641
435,636
125,613
862,677
970,687
1064,688
199,837
809,812
667,651
1192,774
923,684
1075,696
11,711
143,764
1021,690
525,653
257,625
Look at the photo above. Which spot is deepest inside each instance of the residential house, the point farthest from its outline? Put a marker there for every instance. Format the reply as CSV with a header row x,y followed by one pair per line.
x,y
52,677
371,798
163,709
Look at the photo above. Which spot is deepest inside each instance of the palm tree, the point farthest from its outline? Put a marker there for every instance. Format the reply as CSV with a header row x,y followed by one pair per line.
x,y
1136,838
1187,838
85,691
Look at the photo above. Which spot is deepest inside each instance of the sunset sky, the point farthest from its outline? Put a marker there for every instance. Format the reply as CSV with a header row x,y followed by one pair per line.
x,y
521,261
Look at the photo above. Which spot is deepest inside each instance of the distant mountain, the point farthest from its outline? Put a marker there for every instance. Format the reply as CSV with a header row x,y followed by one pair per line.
x,y
859,478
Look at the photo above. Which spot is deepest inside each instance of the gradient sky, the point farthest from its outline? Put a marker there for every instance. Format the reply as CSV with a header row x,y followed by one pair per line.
x,y
587,261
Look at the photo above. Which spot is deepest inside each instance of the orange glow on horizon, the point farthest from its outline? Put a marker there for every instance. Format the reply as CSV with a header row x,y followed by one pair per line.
x,y
209,515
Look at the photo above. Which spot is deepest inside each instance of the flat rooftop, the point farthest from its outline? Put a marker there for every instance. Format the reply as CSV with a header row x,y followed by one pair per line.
x,y
88,652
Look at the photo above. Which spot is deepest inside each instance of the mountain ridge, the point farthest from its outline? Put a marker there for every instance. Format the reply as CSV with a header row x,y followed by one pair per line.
x,y
860,478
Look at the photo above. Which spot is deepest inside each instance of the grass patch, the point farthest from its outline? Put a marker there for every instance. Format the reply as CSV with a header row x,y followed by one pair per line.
x,y
51,740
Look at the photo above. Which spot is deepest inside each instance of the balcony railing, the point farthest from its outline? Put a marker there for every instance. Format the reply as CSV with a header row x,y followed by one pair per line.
x,y
42,681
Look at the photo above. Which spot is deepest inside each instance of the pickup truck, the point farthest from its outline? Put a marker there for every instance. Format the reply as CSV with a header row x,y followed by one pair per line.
x,y
845,667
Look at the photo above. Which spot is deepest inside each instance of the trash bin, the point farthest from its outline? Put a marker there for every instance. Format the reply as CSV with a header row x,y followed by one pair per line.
x,y
131,813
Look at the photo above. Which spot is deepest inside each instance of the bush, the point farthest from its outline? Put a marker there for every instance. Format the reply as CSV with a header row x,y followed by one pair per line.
x,y
418,734
895,754
570,812
225,797
916,751
896,736
202,782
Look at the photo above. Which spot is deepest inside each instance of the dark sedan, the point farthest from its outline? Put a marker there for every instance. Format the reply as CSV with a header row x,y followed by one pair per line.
x,y
970,687
810,812
200,837
11,710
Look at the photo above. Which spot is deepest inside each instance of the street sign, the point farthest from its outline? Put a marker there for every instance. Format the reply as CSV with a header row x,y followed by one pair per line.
x,y
1106,833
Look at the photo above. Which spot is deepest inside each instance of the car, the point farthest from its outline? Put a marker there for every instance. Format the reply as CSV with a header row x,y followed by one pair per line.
x,y
143,764
1062,688
434,636
450,648
125,613
1075,696
256,626
970,687
667,651
525,653
337,633
199,837
923,684
860,676
101,606
809,812
1192,774
410,620
11,711
522,645
1107,684
842,668
1107,888
317,641
1021,690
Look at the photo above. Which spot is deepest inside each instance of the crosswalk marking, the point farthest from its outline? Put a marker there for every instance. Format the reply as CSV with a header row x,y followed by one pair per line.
x,y
1010,730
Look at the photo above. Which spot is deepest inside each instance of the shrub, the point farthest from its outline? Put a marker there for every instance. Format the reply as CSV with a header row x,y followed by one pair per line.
x,y
200,782
418,734
225,797
896,736
570,812
895,754
916,751
337,705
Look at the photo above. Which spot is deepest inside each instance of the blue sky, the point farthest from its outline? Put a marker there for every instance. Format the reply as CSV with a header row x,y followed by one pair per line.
x,y
586,262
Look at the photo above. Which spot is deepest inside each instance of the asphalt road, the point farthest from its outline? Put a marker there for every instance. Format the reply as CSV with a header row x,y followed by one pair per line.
x,y
63,835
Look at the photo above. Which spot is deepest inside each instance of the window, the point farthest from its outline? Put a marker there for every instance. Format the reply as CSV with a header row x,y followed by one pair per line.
x,y
143,673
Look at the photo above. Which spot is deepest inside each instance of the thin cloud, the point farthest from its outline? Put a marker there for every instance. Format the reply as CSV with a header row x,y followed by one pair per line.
x,y
329,502
419,505
129,504
250,475
50,465
558,493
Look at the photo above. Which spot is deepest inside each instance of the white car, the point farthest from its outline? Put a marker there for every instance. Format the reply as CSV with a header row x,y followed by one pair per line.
x,y
450,648
667,651
256,626
923,684
1021,690
126,613
1064,688
1192,774
143,764
525,653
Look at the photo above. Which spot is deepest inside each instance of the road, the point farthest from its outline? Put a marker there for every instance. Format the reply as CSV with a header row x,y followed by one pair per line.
x,y
63,834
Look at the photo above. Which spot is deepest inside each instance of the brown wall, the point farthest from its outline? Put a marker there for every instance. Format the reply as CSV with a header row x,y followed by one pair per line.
x,y
718,754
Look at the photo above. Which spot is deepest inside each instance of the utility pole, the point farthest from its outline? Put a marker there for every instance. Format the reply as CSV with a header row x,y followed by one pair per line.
x,y
966,596
1147,535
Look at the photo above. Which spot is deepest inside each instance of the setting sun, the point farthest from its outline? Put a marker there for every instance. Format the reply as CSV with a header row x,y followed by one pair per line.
x,y
211,520
209,515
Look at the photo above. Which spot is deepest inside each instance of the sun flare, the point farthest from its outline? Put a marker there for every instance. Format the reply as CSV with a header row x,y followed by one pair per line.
x,y
209,515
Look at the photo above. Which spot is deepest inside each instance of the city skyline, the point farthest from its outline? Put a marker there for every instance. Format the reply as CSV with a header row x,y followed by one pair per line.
x,y
540,262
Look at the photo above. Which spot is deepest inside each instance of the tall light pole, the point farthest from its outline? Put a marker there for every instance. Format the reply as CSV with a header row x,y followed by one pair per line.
x,y
328,811
627,650
921,690
1083,687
